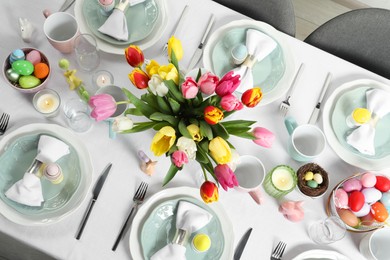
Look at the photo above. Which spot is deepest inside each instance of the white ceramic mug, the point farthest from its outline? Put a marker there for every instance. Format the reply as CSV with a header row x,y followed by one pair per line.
x,y
61,29
306,141
250,174
375,246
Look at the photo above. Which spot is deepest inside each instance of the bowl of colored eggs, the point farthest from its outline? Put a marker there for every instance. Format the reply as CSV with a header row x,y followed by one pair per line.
x,y
27,70
362,201
313,180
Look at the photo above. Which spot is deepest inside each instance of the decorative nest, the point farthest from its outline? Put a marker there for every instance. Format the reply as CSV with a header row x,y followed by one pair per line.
x,y
302,183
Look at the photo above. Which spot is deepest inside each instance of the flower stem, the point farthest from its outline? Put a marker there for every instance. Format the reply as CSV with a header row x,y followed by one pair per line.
x,y
204,174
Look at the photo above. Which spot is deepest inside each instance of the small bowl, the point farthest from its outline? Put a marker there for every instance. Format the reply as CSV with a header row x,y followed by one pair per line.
x,y
302,183
15,85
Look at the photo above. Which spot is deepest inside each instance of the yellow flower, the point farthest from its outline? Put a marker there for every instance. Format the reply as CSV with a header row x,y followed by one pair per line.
x,y
174,45
163,140
168,72
152,68
195,132
220,150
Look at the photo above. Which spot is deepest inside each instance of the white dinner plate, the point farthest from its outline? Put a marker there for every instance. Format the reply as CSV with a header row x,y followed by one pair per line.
x,y
273,74
150,40
18,149
167,195
334,126
320,255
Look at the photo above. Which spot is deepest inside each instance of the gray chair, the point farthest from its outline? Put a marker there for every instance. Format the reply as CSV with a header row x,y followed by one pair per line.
x,y
278,13
360,36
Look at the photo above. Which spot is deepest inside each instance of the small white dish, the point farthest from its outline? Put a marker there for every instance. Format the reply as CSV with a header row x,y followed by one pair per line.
x,y
320,254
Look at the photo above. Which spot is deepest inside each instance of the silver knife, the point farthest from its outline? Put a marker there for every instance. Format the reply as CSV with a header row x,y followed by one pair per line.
x,y
95,193
241,245
66,5
316,111
199,51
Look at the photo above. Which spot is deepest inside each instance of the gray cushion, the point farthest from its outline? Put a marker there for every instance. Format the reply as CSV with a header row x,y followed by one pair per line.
x,y
277,13
360,36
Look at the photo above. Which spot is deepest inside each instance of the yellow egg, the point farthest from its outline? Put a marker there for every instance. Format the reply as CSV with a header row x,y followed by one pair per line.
x,y
309,176
361,115
201,242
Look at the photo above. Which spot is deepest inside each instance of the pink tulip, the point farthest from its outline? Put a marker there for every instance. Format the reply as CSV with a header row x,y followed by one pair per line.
x,y
207,83
230,102
264,137
103,106
225,176
228,84
179,158
189,88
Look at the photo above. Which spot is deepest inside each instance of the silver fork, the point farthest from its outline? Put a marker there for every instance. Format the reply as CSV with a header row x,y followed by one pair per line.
x,y
285,105
137,199
4,119
278,251
177,28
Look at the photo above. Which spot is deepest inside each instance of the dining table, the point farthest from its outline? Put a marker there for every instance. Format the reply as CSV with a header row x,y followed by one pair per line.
x,y
57,240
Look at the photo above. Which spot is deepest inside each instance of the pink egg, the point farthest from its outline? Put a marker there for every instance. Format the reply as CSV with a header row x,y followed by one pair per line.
x,y
368,180
34,57
341,199
352,184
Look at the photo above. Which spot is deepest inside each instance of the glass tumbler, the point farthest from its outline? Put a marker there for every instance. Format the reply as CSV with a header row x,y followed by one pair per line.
x,y
87,53
327,231
77,114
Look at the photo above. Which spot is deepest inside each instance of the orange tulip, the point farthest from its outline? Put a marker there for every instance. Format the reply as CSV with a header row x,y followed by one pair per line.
x,y
139,78
209,192
212,115
252,97
134,56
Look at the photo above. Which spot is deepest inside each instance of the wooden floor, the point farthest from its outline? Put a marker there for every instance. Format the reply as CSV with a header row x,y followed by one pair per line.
x,y
312,13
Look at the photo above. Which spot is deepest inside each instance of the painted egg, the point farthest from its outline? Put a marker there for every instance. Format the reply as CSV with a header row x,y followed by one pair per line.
x,y
352,184
379,212
368,180
356,200
386,199
12,75
341,198
382,183
367,220
29,81
318,178
308,176
348,217
41,70
23,67
17,54
34,57
363,211
371,195
312,184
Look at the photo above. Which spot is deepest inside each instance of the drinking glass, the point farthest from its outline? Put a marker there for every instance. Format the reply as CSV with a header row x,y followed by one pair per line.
x,y
86,50
77,113
327,231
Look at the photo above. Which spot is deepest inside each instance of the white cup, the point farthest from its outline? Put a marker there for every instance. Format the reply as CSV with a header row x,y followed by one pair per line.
x,y
61,29
250,174
375,246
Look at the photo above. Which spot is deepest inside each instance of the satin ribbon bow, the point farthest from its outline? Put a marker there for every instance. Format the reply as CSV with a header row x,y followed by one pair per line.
x,y
189,218
259,46
28,190
363,137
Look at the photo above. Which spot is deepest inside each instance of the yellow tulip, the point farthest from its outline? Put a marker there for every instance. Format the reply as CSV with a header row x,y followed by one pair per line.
x,y
152,68
174,45
195,132
163,140
168,72
220,150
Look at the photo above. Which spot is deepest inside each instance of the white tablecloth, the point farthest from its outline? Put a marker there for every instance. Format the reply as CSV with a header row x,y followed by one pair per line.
x,y
112,207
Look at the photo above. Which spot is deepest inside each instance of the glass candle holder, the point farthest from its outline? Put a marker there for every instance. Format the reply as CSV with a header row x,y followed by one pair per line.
x,y
280,181
47,102
102,78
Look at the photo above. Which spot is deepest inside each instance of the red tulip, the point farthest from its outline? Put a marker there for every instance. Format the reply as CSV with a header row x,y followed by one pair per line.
x,y
252,97
212,115
209,192
139,78
134,56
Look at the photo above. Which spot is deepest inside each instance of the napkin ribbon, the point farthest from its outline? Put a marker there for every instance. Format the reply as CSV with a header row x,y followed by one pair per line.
x,y
28,190
189,218
363,137
259,46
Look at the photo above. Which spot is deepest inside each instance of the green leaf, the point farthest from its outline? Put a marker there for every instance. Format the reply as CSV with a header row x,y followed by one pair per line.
x,y
197,101
145,109
133,111
160,125
174,60
219,130
245,135
201,157
175,106
183,129
174,90
193,121
170,174
139,127
204,145
163,105
198,75
158,116
205,130
237,123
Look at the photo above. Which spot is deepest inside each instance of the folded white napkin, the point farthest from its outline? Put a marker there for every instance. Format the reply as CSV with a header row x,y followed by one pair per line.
x,y
189,217
259,46
28,190
363,137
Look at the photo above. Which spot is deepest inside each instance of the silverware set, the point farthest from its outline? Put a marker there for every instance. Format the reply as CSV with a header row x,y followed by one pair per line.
x,y
316,111
278,251
4,120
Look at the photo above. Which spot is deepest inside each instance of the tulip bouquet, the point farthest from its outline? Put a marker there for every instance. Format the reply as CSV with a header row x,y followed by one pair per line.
x,y
189,114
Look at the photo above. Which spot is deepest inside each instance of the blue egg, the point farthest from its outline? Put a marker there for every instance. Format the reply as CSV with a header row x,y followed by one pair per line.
x,y
239,53
17,54
386,199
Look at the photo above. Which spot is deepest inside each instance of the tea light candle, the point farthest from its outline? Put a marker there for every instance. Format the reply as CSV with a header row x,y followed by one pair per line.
x,y
102,78
282,179
47,102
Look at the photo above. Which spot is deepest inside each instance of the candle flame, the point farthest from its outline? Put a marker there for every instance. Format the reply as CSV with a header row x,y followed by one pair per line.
x,y
103,79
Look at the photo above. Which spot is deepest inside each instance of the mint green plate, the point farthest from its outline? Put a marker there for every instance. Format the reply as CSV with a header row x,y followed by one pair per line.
x,y
159,229
344,106
141,19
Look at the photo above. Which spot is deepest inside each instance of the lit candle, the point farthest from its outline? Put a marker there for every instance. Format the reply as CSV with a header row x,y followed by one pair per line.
x,y
282,179
47,102
102,78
